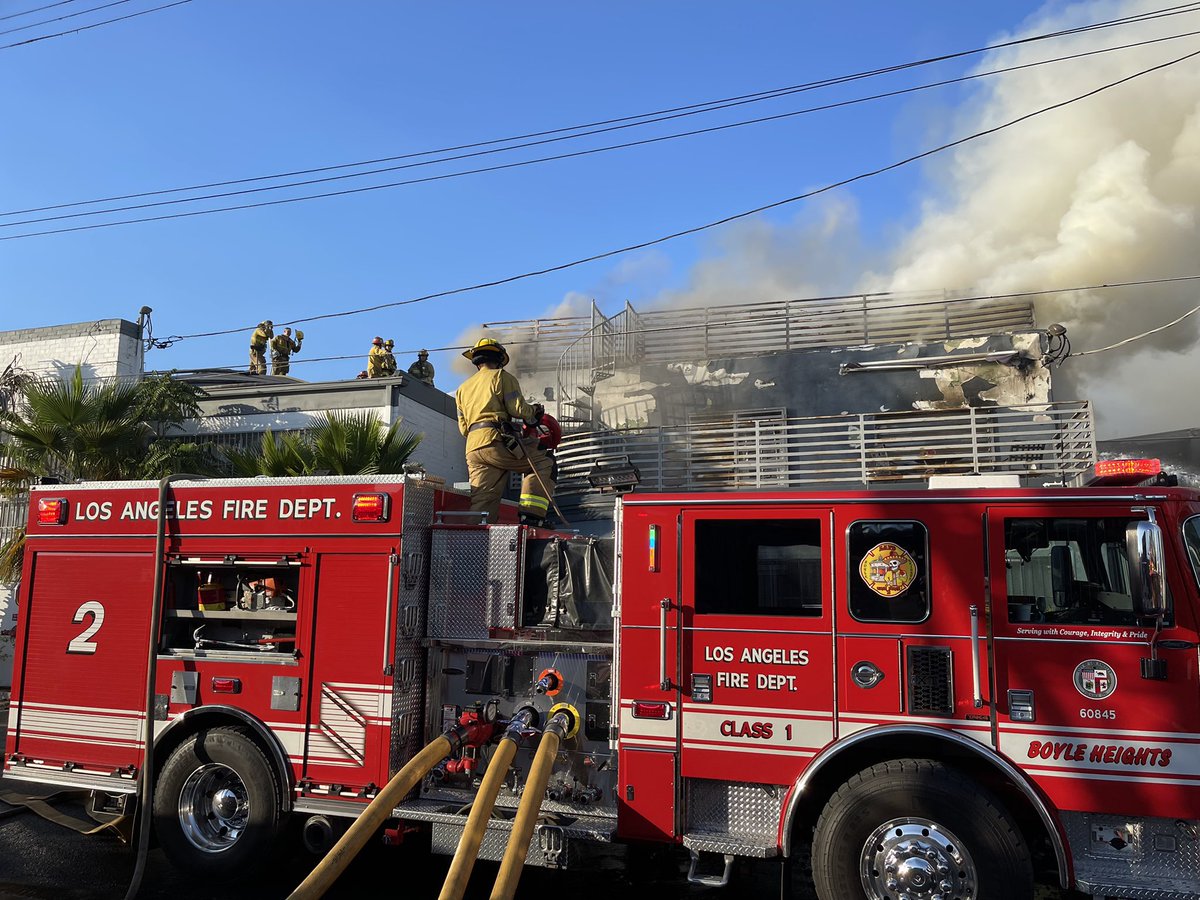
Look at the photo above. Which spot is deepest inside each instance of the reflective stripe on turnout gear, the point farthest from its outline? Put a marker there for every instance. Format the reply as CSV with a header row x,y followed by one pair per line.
x,y
535,502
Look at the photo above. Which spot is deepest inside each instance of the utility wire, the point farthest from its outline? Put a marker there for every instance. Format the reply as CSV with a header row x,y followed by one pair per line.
x,y
651,117
46,37
503,166
761,319
82,12
722,221
1136,337
30,12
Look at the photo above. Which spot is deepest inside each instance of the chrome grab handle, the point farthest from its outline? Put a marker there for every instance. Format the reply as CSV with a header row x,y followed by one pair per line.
x,y
388,665
664,606
975,655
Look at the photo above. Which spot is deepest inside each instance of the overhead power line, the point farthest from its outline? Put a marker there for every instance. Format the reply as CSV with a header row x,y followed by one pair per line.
x,y
503,166
624,121
82,12
726,219
30,12
46,37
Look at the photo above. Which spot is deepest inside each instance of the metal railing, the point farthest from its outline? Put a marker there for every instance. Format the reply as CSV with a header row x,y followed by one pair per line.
x,y
595,352
1053,441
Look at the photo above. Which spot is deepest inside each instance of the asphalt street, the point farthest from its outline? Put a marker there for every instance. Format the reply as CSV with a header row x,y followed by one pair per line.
x,y
45,861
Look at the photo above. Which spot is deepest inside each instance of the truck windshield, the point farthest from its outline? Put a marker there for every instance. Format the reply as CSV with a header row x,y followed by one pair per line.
x,y
1191,537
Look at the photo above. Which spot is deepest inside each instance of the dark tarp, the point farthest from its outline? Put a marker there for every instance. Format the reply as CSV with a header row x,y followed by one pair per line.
x,y
568,584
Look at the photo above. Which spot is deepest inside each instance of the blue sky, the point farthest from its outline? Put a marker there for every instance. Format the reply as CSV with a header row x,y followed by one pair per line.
x,y
215,90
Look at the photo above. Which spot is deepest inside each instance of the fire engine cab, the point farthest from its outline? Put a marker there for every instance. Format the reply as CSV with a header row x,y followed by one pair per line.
x,y
950,692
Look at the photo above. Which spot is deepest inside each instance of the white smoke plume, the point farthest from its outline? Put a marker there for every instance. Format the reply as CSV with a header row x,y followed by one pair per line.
x,y
1103,190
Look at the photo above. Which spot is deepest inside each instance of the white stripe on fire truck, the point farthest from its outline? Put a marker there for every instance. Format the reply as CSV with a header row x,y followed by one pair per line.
x,y
1134,775
857,722
822,715
746,747
65,738
49,720
1067,730
1184,760
91,710
706,726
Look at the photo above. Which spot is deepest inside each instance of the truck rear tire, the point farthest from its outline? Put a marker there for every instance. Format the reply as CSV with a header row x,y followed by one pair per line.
x,y
918,828
217,809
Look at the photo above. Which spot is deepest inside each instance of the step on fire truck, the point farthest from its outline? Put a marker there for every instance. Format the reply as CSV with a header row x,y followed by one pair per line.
x,y
936,693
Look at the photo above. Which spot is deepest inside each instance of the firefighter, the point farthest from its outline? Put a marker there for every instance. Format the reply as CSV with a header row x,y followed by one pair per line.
x,y
258,347
282,348
422,369
376,358
389,358
487,403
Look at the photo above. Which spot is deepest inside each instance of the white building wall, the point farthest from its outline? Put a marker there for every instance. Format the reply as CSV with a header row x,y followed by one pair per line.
x,y
106,348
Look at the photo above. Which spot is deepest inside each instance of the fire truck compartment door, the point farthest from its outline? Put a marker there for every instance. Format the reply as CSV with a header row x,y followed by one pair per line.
x,y
646,801
756,641
351,699
1073,707
83,662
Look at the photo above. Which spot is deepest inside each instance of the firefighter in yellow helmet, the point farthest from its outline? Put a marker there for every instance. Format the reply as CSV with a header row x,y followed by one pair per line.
x,y
258,346
376,359
282,348
389,358
487,403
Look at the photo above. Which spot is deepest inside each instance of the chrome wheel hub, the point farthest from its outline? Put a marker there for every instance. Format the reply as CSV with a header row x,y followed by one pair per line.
x,y
213,808
916,859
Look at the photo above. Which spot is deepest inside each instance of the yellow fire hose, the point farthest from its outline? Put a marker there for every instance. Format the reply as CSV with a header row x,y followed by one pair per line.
x,y
564,721
485,800
326,872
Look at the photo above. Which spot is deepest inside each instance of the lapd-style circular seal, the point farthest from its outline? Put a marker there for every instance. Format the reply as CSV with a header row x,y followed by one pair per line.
x,y
1095,679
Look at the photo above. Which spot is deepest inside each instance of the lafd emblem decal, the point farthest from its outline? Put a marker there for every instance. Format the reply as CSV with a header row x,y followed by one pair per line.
x,y
1095,679
888,569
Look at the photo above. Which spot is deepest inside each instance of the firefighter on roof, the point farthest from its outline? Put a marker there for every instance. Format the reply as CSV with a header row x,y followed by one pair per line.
x,y
282,348
389,358
487,403
422,369
377,359
258,347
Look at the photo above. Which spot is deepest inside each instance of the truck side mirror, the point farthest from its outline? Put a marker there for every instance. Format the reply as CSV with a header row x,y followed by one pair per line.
x,y
1144,543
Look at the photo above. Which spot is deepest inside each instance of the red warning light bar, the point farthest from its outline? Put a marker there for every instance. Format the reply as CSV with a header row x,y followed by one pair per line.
x,y
1125,471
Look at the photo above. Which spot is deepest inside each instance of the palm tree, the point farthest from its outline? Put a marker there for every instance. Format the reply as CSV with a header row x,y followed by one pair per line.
x,y
94,431
341,443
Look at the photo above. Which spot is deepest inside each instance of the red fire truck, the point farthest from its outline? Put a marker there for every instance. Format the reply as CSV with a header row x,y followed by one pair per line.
x,y
935,693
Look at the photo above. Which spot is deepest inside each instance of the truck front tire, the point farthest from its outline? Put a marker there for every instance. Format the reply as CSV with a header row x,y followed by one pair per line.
x,y
217,809
919,828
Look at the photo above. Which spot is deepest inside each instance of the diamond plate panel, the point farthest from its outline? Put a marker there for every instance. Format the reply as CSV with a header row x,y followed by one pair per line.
x,y
745,813
408,674
462,604
1160,857
554,849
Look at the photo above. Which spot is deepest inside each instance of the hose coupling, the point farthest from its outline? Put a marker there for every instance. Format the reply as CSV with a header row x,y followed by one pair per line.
x,y
523,721
564,720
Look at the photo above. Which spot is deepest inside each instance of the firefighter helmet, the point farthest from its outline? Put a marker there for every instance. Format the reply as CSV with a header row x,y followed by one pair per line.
x,y
377,341
487,348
